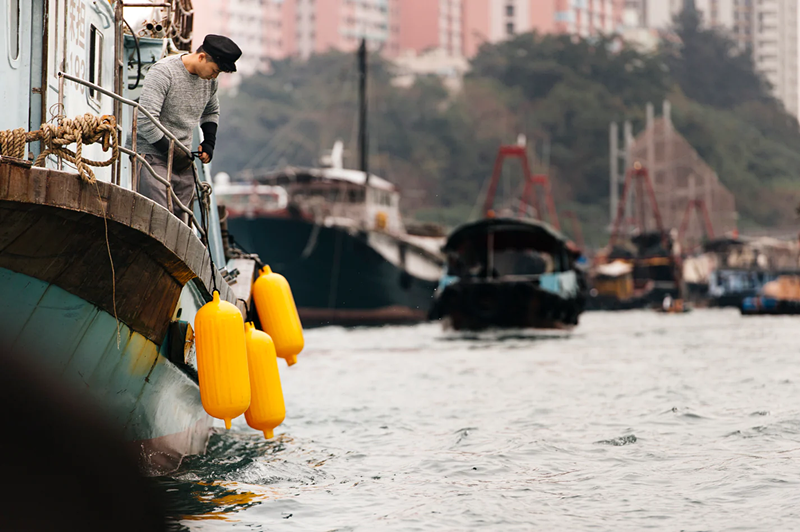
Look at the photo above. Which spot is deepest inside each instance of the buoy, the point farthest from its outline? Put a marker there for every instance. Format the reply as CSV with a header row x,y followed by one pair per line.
x,y
278,314
222,360
267,409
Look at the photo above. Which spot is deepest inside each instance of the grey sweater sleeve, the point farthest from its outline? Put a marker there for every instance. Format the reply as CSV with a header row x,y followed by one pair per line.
x,y
154,92
211,112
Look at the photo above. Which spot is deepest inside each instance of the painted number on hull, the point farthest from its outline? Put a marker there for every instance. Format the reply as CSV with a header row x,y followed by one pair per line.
x,y
76,33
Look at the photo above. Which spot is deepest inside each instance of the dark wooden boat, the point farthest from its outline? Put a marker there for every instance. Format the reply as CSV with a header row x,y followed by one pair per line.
x,y
511,273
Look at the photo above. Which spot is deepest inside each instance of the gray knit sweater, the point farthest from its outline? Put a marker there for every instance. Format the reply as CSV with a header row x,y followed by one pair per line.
x,y
179,100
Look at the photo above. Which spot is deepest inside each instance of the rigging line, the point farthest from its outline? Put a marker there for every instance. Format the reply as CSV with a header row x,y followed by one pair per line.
x,y
480,199
111,260
204,220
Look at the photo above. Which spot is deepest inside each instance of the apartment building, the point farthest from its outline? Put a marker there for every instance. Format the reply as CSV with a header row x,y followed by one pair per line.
x,y
428,25
775,48
732,16
489,21
769,28
243,21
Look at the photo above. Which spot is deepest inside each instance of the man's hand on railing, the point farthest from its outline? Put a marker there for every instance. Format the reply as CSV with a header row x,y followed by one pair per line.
x,y
205,153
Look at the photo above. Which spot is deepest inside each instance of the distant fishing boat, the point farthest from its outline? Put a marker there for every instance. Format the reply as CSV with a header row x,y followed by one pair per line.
x,y
729,270
338,237
639,273
99,284
778,297
639,269
505,272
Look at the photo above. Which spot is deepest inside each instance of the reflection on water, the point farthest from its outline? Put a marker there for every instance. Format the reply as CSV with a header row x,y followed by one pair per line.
x,y
633,420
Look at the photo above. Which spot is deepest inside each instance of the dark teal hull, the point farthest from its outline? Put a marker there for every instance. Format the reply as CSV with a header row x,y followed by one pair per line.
x,y
154,404
335,275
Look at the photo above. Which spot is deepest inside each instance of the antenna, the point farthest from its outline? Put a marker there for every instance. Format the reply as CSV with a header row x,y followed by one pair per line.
x,y
362,116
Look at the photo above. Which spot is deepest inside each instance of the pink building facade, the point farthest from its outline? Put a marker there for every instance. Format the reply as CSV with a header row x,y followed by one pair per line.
x,y
490,21
426,25
275,29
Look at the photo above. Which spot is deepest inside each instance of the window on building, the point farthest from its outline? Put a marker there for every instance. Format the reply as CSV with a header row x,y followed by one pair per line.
x,y
95,60
14,27
510,28
510,10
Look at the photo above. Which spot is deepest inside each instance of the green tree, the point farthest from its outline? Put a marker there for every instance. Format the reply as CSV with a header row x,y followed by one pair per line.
x,y
709,67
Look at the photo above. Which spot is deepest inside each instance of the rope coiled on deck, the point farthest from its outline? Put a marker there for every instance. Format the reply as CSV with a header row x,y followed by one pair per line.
x,y
86,129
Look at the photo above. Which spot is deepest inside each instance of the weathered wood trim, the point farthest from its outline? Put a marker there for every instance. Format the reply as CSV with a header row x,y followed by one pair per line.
x,y
52,228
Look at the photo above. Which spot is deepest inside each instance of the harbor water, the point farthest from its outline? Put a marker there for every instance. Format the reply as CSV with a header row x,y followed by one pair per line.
x,y
634,420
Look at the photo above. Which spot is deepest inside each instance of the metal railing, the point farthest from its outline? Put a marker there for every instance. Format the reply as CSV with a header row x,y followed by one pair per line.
x,y
173,142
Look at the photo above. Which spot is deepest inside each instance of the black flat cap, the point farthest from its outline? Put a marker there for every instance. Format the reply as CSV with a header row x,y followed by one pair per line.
x,y
223,51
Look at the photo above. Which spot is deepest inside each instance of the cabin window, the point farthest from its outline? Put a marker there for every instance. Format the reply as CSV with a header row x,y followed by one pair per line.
x,y
95,60
15,29
382,198
355,195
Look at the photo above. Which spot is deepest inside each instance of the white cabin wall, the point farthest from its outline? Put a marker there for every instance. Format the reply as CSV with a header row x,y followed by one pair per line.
x,y
72,29
15,64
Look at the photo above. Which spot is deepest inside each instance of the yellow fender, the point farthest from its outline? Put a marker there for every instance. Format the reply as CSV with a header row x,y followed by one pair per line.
x,y
222,360
267,409
278,314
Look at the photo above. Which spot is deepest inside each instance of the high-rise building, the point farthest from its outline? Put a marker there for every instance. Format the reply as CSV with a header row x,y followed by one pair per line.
x,y
427,25
775,48
768,28
241,20
488,21
322,25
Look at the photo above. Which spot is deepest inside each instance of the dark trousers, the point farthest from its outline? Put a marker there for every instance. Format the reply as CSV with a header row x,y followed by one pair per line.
x,y
182,184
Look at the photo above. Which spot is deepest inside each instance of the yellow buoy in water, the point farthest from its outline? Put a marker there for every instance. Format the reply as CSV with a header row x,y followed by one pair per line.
x,y
267,409
278,314
222,360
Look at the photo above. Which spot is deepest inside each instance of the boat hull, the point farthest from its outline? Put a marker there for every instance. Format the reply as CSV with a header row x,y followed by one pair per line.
x,y
478,305
336,274
99,324
770,306
153,404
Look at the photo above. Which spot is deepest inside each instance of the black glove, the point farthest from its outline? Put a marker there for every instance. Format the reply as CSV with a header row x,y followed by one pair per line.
x,y
180,159
209,138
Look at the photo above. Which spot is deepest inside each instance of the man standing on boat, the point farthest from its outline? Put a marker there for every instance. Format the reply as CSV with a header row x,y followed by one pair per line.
x,y
180,91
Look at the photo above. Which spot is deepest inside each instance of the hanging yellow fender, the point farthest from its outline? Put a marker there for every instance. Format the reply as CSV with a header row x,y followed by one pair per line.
x,y
267,409
222,360
278,314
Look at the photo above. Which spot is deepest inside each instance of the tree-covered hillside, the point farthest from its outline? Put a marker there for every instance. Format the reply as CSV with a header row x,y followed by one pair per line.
x,y
559,91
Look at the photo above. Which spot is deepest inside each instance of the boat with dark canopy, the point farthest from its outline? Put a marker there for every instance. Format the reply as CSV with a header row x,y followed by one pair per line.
x,y
506,272
511,272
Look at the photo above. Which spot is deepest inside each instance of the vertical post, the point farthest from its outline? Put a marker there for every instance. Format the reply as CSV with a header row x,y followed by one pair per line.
x,y
669,192
169,174
119,71
60,113
651,143
628,138
362,115
614,169
490,254
134,162
642,221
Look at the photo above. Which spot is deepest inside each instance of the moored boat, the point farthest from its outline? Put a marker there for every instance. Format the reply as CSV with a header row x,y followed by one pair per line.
x,y
100,285
509,273
340,241
778,297
338,237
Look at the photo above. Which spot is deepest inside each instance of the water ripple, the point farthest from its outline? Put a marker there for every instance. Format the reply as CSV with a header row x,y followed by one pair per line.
x,y
634,421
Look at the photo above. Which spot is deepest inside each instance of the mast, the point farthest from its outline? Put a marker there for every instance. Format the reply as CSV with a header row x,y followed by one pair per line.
x,y
362,110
